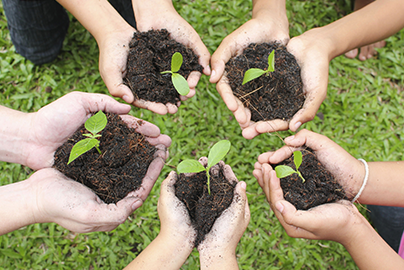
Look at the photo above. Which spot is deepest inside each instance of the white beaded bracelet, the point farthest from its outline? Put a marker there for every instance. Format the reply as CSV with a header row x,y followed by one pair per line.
x,y
365,180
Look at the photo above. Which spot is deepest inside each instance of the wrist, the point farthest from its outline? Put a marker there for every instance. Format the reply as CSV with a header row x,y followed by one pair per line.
x,y
176,244
217,258
14,135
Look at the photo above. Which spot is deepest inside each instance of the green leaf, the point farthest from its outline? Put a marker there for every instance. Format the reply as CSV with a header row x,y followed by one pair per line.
x,y
180,84
96,123
81,147
297,159
283,171
271,61
252,74
190,166
176,62
218,152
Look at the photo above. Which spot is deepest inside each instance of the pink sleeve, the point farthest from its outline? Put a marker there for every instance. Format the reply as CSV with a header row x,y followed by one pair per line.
x,y
401,248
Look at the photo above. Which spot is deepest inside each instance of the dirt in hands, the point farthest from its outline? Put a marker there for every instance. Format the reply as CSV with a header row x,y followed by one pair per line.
x,y
204,208
126,156
150,54
320,186
277,95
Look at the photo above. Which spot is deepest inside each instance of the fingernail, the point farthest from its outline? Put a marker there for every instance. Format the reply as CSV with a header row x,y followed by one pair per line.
x,y
137,204
126,98
208,69
297,125
279,207
213,73
243,185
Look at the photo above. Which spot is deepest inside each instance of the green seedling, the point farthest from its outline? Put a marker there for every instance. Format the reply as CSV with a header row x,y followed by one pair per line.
x,y
179,82
283,170
216,154
254,73
94,124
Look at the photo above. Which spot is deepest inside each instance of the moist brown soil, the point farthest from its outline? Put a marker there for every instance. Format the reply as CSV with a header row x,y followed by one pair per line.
x,y
149,54
204,208
278,95
320,186
126,156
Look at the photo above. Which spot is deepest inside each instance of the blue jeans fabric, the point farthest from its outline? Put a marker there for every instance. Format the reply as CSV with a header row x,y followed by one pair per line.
x,y
38,27
389,222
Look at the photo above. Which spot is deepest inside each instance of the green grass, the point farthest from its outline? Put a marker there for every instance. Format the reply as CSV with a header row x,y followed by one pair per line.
x,y
362,112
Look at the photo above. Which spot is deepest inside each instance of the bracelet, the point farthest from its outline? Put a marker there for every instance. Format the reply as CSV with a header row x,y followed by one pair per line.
x,y
365,180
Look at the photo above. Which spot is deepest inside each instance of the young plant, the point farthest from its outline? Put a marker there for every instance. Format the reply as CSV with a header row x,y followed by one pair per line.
x,y
216,154
283,170
179,82
254,73
94,124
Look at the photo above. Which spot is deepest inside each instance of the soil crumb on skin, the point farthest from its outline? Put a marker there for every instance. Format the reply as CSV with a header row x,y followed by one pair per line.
x,y
150,54
204,208
126,156
320,186
277,95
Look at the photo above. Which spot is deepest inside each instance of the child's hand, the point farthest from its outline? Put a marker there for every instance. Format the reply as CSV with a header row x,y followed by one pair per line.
x,y
219,247
347,170
333,221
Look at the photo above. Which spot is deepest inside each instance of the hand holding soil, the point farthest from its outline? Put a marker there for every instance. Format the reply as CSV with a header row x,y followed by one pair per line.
x,y
50,127
347,170
271,99
332,221
175,221
74,206
129,163
220,243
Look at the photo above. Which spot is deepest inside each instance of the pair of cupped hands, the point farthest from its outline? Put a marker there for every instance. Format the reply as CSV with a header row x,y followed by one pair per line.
x,y
308,49
75,207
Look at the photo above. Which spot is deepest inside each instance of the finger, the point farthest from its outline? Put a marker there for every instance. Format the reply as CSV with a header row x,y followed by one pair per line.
x,y
112,78
219,59
171,108
257,173
161,142
141,126
229,174
150,178
193,80
224,90
167,186
264,157
203,161
96,102
158,108
308,112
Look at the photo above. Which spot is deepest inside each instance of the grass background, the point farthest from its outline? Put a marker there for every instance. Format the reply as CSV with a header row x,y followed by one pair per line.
x,y
362,112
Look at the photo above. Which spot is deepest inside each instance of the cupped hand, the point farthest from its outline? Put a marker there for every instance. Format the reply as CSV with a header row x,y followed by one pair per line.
x,y
347,170
312,55
174,217
257,30
230,226
53,124
161,14
333,221
74,206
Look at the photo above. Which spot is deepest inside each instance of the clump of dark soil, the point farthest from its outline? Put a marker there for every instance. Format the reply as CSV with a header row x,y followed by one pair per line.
x,y
149,54
204,208
278,95
320,186
126,156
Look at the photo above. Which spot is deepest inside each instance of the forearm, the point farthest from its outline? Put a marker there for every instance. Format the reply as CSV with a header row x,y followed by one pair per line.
x,y
16,206
372,23
99,17
162,253
14,135
369,250
385,184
